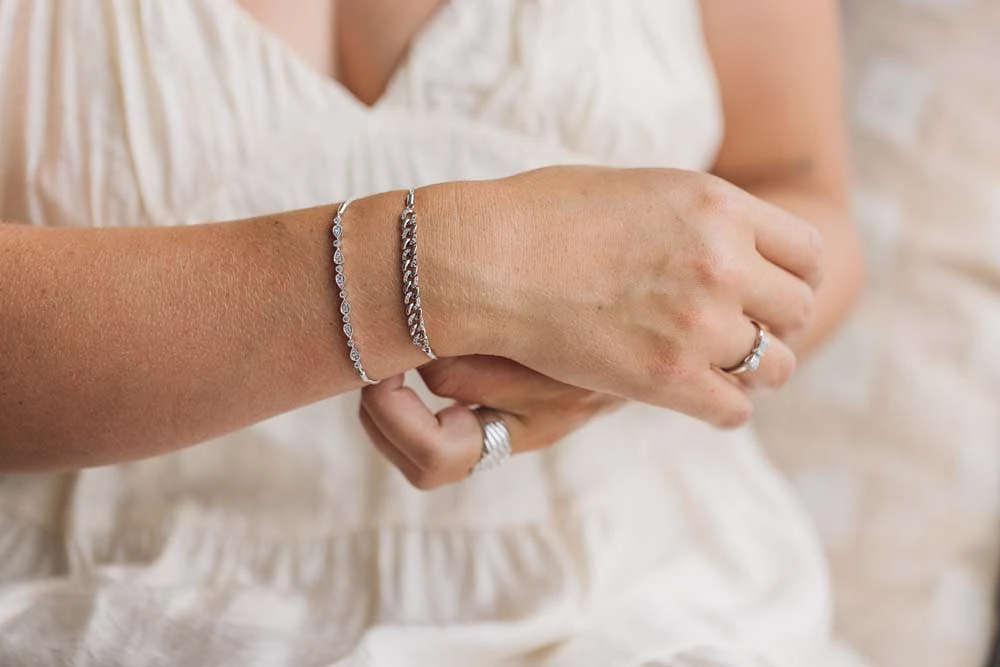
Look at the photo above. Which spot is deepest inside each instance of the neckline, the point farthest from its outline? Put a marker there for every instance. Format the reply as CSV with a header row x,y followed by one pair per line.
x,y
272,42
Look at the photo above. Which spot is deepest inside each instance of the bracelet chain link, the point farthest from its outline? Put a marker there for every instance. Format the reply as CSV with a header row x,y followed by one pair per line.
x,y
411,278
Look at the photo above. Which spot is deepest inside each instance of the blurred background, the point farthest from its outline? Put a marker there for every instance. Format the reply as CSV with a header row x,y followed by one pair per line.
x,y
902,411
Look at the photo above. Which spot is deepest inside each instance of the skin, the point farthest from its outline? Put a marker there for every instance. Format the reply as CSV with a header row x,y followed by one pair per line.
x,y
123,343
787,76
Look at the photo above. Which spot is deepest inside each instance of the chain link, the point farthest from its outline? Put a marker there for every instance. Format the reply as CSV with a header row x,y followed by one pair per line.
x,y
411,278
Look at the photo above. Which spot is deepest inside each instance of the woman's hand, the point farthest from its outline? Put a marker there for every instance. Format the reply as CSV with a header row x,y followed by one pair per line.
x,y
433,450
637,283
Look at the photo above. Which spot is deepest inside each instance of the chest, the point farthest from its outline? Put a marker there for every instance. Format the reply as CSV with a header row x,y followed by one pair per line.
x,y
360,43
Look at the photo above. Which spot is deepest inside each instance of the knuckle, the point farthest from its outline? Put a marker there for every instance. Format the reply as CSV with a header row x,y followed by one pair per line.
x,y
692,319
714,196
713,268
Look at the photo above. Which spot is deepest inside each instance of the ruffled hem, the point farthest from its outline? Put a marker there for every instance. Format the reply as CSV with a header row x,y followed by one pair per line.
x,y
381,575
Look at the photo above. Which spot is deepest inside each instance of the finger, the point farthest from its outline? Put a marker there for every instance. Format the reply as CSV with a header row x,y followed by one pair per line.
x,y
476,380
410,471
779,300
777,365
701,393
392,402
443,447
738,344
713,398
517,392
789,242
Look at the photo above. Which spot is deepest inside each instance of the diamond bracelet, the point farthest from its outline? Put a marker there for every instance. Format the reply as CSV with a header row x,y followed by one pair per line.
x,y
411,278
345,304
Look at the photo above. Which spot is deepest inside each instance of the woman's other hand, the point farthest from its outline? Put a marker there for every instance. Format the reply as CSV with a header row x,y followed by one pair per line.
x,y
436,449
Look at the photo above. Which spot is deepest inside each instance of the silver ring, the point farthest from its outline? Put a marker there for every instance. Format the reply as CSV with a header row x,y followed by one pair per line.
x,y
751,362
497,446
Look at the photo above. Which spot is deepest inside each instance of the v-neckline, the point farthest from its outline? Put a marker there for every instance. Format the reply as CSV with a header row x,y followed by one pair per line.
x,y
273,41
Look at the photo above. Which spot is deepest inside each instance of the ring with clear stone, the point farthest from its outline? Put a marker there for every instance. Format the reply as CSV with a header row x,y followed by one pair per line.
x,y
345,305
497,446
751,362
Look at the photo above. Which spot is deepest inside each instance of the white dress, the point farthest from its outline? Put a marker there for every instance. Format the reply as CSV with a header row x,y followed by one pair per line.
x,y
645,538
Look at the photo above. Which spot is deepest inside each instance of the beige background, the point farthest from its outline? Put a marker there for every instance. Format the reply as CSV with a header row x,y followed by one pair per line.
x,y
892,435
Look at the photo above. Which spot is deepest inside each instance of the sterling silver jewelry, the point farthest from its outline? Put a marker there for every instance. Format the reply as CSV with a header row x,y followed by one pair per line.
x,y
345,305
496,440
411,278
751,362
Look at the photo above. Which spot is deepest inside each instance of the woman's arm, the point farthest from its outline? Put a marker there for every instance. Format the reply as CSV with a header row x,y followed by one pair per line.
x,y
779,67
123,343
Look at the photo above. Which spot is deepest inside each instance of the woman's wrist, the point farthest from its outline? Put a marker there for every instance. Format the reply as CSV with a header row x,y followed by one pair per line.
x,y
371,257
462,268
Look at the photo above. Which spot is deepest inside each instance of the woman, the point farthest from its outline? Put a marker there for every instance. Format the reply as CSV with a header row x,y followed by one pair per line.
x,y
644,537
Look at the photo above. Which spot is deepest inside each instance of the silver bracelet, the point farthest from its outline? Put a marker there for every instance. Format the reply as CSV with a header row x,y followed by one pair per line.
x,y
345,304
411,279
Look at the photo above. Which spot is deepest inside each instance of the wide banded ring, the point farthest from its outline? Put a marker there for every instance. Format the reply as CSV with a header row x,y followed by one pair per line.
x,y
497,446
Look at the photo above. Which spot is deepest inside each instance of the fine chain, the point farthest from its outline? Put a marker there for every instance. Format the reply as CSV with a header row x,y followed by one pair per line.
x,y
345,304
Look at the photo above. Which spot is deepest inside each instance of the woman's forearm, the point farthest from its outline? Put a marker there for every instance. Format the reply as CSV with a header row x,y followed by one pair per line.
x,y
844,267
123,343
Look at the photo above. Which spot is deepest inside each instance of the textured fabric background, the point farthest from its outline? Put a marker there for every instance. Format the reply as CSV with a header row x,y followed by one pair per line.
x,y
892,434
